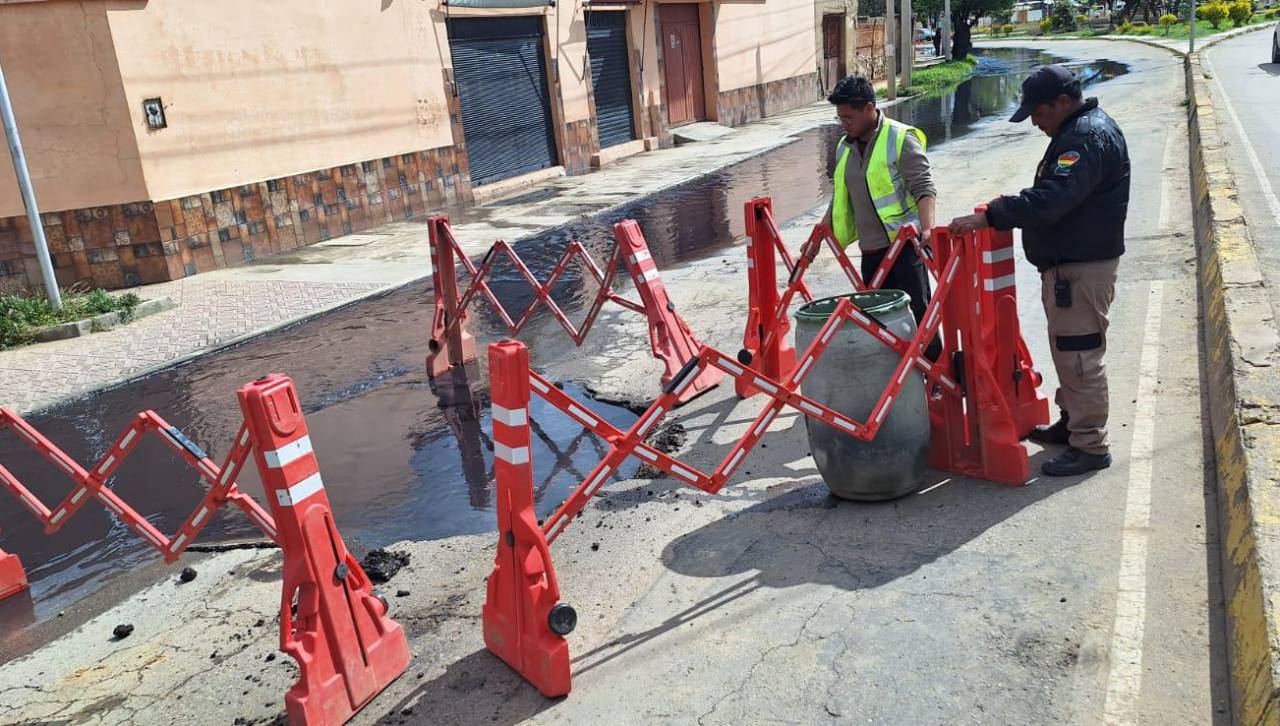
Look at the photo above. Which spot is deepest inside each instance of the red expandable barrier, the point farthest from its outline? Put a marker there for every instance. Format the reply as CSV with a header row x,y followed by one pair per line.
x,y
768,319
670,338
347,648
13,578
524,621
764,344
90,483
669,335
978,403
983,438
1004,335
460,346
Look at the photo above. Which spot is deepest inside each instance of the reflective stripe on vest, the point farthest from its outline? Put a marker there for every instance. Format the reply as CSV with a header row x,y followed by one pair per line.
x,y
893,202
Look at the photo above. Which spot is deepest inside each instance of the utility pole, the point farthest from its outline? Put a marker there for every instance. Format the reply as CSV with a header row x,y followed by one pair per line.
x,y
28,195
1191,23
890,49
908,43
946,29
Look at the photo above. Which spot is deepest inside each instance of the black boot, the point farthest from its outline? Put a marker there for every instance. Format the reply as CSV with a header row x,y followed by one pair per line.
x,y
1073,462
1056,433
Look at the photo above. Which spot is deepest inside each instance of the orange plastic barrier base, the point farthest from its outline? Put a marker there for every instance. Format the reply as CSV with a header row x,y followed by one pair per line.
x,y
13,579
524,620
346,647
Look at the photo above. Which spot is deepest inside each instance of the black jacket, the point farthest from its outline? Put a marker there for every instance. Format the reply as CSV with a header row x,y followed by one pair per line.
x,y
1076,210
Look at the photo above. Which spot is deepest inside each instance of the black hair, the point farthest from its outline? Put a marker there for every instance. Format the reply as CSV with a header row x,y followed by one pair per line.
x,y
854,91
1074,91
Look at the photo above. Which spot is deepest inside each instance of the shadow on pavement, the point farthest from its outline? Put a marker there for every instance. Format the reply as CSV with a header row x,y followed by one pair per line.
x,y
457,697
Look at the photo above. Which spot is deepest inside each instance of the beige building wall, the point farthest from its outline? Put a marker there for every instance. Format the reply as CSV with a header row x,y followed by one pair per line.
x,y
568,43
757,43
644,37
60,66
257,90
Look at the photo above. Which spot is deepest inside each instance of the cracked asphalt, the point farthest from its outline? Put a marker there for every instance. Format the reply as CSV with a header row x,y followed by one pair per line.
x,y
773,602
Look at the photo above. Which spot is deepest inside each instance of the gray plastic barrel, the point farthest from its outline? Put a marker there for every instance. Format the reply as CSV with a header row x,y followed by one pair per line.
x,y
849,377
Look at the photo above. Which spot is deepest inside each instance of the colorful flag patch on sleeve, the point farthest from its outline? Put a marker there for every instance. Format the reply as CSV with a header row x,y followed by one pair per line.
x,y
1067,160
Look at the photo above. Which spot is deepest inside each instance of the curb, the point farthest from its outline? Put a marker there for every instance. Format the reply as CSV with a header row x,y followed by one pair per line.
x,y
1242,348
101,323
1207,42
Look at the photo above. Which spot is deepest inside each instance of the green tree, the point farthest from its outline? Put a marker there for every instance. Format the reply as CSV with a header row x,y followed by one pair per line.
x,y
1045,26
1168,20
1215,13
1063,14
1240,12
965,15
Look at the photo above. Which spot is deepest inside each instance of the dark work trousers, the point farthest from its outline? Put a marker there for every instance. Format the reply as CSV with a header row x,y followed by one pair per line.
x,y
908,275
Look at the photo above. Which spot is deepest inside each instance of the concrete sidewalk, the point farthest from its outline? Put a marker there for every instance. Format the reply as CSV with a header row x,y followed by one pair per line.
x,y
224,307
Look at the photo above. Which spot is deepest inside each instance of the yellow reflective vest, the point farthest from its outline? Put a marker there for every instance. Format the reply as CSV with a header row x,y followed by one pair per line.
x,y
893,201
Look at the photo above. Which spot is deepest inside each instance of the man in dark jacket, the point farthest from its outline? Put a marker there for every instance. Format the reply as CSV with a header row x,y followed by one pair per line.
x,y
1072,223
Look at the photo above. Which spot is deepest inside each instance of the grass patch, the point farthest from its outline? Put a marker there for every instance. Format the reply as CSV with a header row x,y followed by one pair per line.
x,y
1182,31
940,78
20,315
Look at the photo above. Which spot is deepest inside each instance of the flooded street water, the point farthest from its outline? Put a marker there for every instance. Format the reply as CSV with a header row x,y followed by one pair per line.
x,y
403,458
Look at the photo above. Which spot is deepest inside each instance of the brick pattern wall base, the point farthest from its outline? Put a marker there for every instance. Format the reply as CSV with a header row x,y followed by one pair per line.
x,y
752,103
156,241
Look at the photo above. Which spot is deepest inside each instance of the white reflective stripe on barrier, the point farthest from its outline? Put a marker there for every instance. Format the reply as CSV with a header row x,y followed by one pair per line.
x,y
510,416
124,443
582,415
177,543
640,256
649,274
299,492
289,453
57,517
75,498
994,256
200,516
517,456
1000,283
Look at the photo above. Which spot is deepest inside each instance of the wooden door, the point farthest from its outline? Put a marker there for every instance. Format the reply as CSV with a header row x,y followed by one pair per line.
x,y
832,50
682,64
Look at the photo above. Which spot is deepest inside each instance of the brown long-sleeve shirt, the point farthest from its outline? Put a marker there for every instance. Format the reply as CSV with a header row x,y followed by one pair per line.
x,y
914,167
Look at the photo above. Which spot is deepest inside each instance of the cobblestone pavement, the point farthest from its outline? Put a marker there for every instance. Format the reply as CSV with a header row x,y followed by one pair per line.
x,y
210,313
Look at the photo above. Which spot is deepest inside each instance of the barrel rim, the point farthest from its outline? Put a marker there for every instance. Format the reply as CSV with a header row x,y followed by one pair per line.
x,y
872,302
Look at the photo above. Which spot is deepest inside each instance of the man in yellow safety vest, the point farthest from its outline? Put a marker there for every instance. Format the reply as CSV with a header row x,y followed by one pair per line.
x,y
882,183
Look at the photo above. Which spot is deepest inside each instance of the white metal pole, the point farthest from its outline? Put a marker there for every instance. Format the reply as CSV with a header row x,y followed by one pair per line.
x,y
908,44
28,195
890,49
946,29
1191,39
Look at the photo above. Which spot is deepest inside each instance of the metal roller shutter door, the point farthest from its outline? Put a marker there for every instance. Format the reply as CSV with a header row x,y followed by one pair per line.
x,y
611,76
499,69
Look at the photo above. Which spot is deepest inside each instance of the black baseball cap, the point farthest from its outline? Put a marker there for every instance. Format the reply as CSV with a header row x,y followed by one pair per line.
x,y
1043,85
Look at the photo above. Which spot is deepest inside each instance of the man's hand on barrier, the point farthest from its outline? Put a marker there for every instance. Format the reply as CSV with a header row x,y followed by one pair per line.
x,y
968,223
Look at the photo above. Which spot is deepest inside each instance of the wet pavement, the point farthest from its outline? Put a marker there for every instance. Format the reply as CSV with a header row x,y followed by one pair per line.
x,y
405,458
